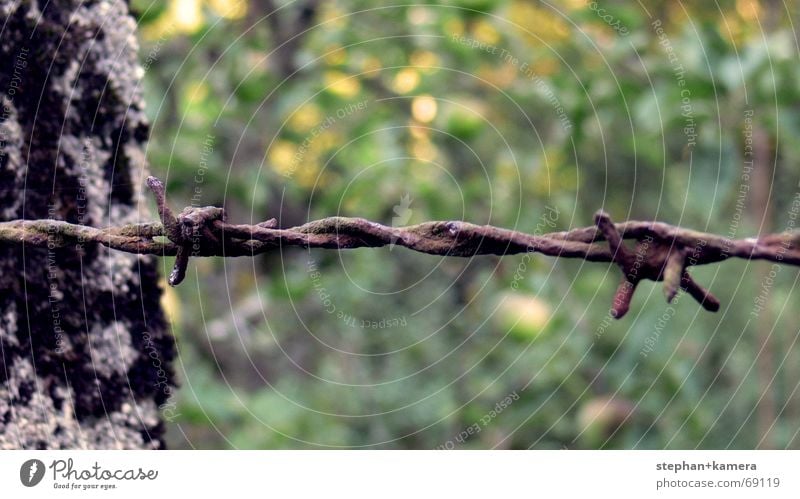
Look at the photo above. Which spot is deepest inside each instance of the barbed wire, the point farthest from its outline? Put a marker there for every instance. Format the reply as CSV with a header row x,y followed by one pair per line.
x,y
662,252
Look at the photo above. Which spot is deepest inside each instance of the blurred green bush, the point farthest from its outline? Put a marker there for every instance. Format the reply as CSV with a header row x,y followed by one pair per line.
x,y
490,112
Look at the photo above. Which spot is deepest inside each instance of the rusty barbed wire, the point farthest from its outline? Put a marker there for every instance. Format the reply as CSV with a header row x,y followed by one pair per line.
x,y
662,252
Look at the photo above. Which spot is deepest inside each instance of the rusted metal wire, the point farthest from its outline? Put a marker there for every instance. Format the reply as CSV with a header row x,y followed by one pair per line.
x,y
662,252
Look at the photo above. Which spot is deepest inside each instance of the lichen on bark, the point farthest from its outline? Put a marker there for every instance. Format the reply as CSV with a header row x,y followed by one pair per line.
x,y
85,350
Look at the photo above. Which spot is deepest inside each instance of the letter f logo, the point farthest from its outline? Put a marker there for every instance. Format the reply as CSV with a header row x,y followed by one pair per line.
x,y
31,472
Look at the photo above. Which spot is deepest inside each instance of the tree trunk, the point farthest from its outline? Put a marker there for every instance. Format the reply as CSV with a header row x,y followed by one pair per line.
x,y
86,359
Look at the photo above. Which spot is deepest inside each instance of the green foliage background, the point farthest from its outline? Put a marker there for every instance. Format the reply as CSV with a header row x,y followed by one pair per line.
x,y
491,112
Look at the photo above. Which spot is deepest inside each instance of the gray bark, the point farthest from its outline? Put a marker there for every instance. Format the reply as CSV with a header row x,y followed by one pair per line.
x,y
85,353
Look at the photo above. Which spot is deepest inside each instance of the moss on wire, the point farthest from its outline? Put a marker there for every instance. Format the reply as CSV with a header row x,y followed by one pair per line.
x,y
662,252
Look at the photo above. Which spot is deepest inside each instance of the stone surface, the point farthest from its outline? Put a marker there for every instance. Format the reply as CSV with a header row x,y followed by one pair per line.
x,y
84,346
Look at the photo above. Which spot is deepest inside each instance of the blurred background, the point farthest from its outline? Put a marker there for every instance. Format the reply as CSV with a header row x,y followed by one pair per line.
x,y
522,114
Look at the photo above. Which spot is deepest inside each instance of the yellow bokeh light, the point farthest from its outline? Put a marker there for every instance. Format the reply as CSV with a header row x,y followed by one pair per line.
x,y
576,4
170,303
371,66
423,150
161,27
419,132
500,76
326,140
486,33
186,15
420,15
335,55
454,27
405,81
524,312
424,59
734,28
308,174
545,66
196,92
341,84
750,10
229,9
305,118
537,24
281,156
423,108
332,17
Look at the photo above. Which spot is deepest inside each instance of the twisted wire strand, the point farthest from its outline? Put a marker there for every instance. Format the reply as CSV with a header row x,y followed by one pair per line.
x,y
662,252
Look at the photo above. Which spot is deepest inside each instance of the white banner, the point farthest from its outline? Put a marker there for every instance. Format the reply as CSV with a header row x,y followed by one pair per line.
x,y
401,474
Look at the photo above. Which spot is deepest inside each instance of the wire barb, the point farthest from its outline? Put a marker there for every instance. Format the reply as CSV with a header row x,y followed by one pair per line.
x,y
674,271
658,259
169,221
661,252
187,229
